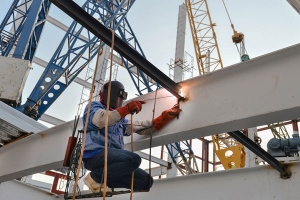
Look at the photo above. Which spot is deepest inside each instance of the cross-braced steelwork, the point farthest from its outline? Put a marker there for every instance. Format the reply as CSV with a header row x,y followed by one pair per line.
x,y
279,130
75,52
183,157
141,81
22,27
204,37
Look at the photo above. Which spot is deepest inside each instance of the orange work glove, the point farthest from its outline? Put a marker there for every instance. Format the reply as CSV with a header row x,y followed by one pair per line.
x,y
131,107
166,116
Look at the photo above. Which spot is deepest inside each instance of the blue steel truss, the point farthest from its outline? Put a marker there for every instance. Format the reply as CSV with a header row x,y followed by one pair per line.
x,y
139,79
20,33
74,53
180,150
22,27
176,151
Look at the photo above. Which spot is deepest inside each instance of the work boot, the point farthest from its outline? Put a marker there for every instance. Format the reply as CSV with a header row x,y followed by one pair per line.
x,y
93,185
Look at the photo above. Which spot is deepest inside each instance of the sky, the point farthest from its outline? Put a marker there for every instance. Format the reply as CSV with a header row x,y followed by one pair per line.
x,y
267,26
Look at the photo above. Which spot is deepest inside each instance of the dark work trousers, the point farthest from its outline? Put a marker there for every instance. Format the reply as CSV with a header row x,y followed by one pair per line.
x,y
120,165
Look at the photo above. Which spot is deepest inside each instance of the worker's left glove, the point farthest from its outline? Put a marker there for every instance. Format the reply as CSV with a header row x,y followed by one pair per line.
x,y
130,108
166,116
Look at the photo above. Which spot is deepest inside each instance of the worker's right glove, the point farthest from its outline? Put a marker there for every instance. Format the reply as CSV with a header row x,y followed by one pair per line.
x,y
166,116
130,108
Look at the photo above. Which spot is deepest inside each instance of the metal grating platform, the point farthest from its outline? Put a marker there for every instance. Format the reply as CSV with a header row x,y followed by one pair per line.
x,y
14,124
100,194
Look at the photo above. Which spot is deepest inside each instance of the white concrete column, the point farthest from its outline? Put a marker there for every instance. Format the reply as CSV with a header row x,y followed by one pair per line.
x,y
173,171
179,54
178,66
250,156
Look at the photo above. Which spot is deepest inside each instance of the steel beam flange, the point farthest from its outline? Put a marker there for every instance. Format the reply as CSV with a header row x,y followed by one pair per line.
x,y
252,146
99,30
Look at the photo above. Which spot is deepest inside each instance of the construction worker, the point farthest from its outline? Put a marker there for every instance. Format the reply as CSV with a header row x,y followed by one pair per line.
x,y
120,163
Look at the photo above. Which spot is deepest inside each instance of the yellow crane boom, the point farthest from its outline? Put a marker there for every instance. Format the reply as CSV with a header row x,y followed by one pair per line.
x,y
204,37
230,152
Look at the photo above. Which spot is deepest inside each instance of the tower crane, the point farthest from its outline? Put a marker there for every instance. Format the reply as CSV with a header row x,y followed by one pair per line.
x,y
206,47
229,151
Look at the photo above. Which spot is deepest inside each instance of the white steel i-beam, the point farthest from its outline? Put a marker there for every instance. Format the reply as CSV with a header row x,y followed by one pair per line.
x,y
253,93
51,120
260,91
264,182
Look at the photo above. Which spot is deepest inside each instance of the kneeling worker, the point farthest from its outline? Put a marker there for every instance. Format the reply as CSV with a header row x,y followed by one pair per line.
x,y
120,163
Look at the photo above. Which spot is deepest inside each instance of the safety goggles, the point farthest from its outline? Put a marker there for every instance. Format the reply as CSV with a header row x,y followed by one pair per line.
x,y
122,94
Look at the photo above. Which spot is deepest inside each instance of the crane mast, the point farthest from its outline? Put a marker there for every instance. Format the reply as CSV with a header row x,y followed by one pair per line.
x,y
230,152
204,37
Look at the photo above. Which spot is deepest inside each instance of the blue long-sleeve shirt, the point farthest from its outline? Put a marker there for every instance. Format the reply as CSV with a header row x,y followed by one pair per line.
x,y
95,137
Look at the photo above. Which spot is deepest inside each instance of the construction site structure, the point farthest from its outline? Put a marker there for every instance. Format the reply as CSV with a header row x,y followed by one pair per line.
x,y
36,148
196,126
75,66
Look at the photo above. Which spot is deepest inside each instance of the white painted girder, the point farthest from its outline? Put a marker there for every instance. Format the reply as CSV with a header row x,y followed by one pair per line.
x,y
157,171
15,190
51,120
262,182
18,120
260,91
36,153
153,159
44,151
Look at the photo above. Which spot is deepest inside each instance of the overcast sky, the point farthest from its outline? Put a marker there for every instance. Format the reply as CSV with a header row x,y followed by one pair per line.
x,y
267,26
